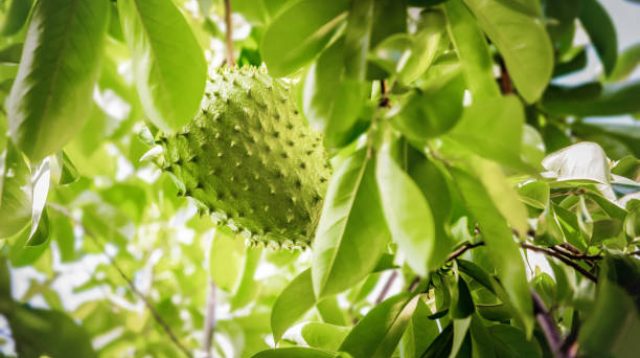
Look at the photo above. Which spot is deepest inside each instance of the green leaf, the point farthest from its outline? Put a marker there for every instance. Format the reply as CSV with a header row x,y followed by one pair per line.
x,y
428,113
51,96
331,101
628,61
522,41
407,213
584,161
379,332
441,346
502,117
591,100
299,33
420,332
460,329
461,302
502,249
295,352
472,50
331,312
16,16
613,326
425,46
168,63
225,260
324,335
351,234
15,192
296,299
598,24
247,289
39,332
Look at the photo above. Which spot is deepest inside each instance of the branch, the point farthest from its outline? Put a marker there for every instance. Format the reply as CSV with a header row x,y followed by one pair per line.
x,y
154,313
384,98
548,326
229,33
210,320
462,249
386,287
562,258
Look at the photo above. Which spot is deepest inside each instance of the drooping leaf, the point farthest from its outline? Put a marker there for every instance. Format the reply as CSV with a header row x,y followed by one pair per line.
x,y
299,33
168,63
51,96
352,233
379,332
324,335
522,41
503,250
407,213
296,299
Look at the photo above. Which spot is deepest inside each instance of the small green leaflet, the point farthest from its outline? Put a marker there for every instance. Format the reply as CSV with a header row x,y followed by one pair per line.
x,y
296,299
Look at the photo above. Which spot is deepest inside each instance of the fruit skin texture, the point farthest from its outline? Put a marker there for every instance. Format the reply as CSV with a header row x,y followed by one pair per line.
x,y
251,160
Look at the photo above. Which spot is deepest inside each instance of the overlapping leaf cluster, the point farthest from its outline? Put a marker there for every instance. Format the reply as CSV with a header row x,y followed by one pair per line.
x,y
479,205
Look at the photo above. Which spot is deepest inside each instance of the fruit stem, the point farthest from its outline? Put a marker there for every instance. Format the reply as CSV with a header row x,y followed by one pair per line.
x,y
229,33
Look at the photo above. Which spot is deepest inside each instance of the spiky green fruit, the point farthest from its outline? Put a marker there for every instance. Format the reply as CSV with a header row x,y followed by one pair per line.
x,y
251,160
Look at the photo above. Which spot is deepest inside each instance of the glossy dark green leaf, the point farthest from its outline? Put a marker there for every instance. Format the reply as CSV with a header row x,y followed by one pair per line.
x,y
407,213
38,332
16,16
296,299
598,24
503,250
51,96
472,50
612,100
441,346
299,33
613,326
462,304
168,63
379,332
522,41
331,101
351,234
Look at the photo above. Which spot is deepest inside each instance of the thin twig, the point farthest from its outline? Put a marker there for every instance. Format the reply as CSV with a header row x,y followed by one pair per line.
x,y
505,81
548,326
562,258
386,287
462,249
229,33
210,320
154,313
384,98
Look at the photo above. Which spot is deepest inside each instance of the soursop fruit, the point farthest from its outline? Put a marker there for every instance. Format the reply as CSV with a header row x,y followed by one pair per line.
x,y
250,159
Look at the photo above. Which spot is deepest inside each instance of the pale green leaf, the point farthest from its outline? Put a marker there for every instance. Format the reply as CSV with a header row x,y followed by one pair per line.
x,y
296,299
379,332
299,33
51,96
168,63
15,192
225,260
407,213
352,233
295,352
324,335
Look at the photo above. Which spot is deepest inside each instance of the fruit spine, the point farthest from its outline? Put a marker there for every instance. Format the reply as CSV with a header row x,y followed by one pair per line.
x,y
250,159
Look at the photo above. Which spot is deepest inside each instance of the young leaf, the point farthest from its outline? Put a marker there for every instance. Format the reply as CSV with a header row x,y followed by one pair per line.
x,y
51,96
407,213
472,50
169,65
379,332
522,41
296,299
299,33
602,32
351,234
